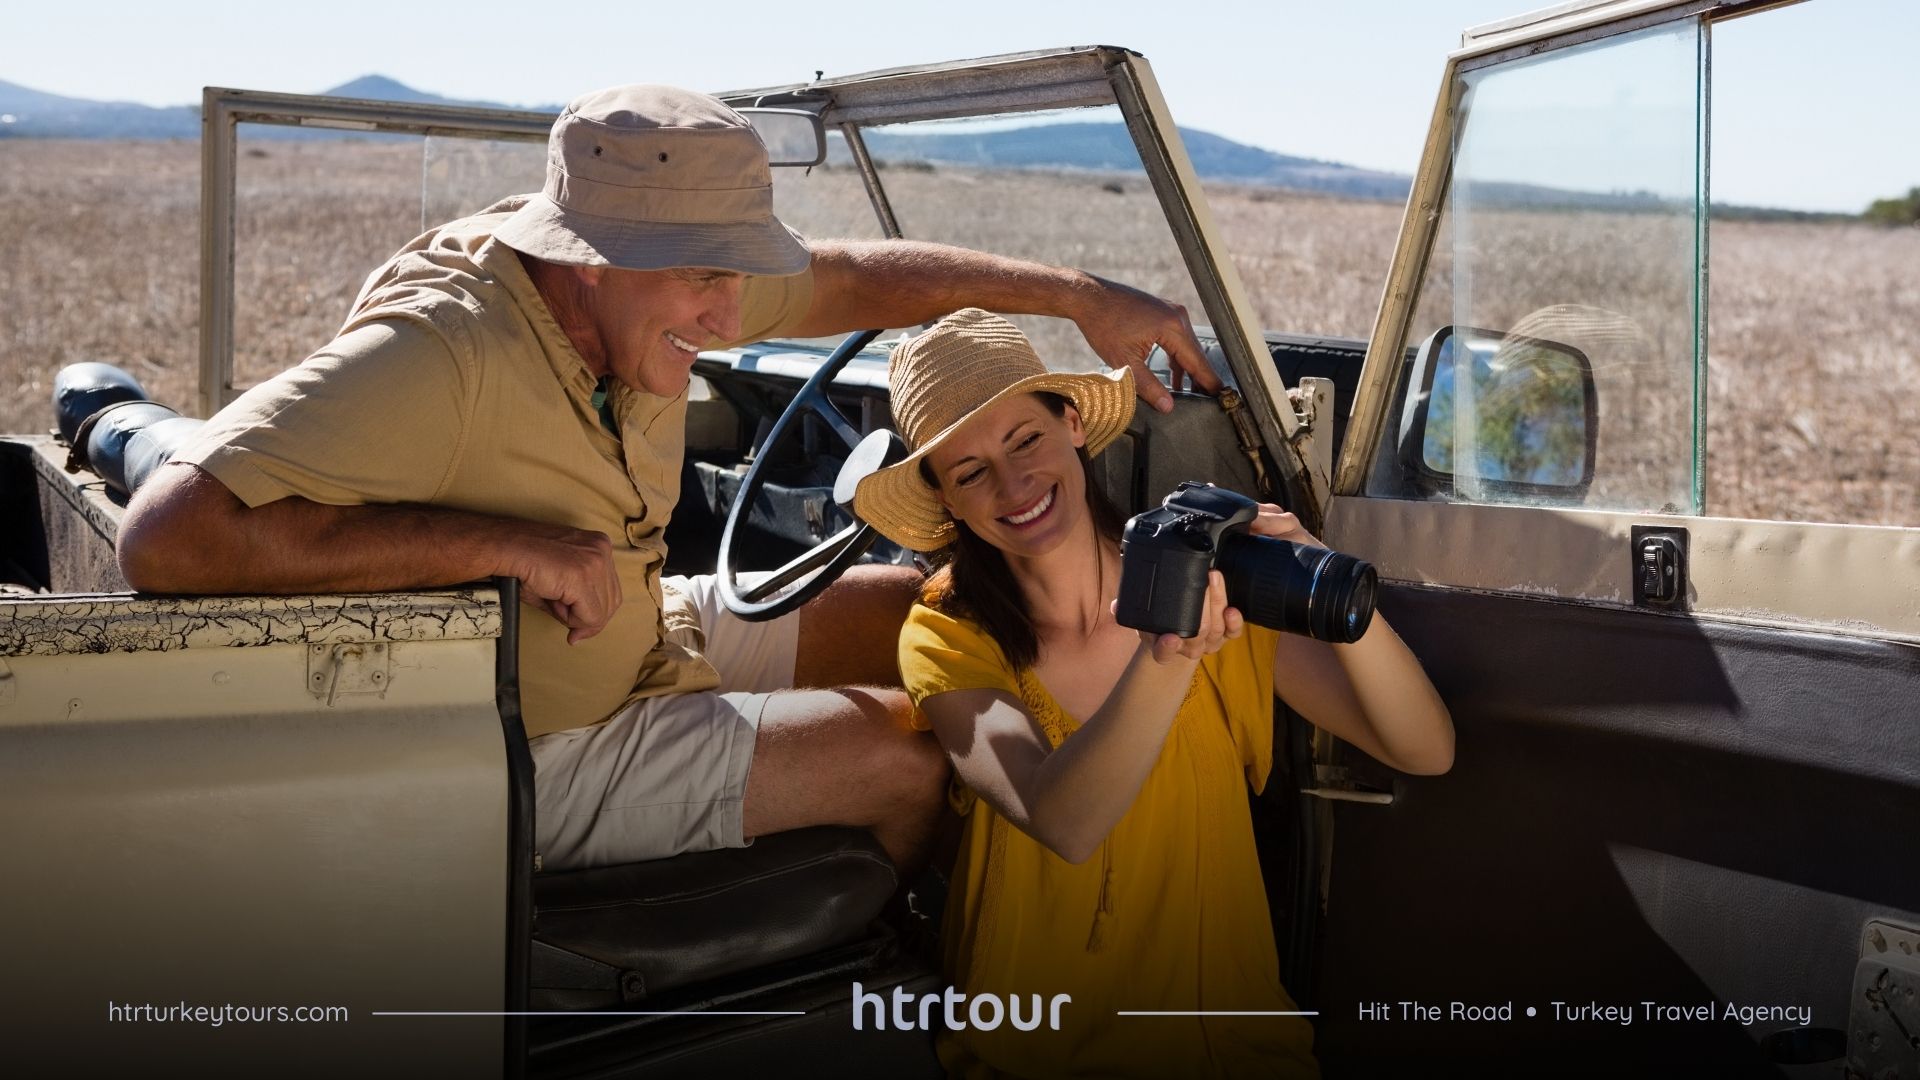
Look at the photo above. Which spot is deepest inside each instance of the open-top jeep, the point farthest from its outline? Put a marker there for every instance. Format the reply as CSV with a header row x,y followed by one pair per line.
x,y
1678,839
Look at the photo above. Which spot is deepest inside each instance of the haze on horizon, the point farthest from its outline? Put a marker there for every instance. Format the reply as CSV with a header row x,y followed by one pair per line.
x,y
1353,84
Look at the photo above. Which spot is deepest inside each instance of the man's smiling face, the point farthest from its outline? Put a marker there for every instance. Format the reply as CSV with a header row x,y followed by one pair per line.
x,y
653,323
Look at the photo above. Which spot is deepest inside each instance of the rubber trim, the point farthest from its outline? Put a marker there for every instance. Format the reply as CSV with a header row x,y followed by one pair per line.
x,y
506,696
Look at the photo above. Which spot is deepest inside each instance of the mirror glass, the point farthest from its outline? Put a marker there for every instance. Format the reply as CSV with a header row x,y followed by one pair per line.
x,y
1507,410
793,137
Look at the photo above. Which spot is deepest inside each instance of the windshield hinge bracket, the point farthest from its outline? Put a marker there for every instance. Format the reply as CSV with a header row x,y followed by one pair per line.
x,y
349,667
1312,403
1247,435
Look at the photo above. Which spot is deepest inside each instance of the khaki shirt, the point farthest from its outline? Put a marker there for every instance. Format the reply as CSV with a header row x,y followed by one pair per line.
x,y
452,385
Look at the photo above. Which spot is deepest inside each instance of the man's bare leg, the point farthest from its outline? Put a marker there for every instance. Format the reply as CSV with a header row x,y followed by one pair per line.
x,y
847,755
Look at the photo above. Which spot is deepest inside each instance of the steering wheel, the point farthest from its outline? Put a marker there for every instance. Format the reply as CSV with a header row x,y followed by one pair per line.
x,y
828,559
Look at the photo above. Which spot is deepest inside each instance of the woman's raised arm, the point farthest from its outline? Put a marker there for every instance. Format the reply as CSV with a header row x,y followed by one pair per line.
x,y
1070,798
1373,693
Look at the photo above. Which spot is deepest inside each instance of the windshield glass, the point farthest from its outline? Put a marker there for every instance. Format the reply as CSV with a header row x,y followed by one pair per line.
x,y
979,183
313,212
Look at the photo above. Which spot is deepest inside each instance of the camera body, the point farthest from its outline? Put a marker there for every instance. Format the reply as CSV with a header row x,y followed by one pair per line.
x,y
1166,552
1165,555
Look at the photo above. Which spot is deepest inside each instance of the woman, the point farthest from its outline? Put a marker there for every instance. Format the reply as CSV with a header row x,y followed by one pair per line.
x,y
1108,852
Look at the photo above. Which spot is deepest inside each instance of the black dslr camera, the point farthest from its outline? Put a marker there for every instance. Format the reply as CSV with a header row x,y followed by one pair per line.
x,y
1165,555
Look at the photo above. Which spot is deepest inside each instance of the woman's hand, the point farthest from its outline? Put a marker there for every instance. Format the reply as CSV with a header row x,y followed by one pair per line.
x,y
1281,525
1218,625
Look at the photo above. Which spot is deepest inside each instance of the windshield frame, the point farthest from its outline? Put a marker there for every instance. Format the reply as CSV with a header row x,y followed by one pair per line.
x,y
1081,76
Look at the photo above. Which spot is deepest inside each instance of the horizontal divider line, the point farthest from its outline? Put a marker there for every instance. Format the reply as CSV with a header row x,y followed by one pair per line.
x,y
597,1012
1213,1013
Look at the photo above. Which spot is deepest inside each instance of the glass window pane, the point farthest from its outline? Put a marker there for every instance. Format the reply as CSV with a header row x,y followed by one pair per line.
x,y
826,202
1104,219
314,212
829,200
1312,263
1573,218
465,176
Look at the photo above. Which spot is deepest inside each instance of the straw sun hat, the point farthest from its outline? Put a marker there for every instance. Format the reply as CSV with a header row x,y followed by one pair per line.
x,y
969,361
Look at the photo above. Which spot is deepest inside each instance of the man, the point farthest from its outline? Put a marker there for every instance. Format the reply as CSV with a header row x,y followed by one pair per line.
x,y
508,396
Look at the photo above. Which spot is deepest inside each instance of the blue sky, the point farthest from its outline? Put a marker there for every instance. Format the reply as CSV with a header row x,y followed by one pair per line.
x,y
1352,82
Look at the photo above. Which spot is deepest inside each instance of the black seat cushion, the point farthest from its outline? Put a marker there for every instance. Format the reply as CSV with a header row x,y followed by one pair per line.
x,y
621,933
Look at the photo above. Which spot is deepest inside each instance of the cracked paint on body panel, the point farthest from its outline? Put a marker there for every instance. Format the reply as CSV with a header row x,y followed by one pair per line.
x,y
57,625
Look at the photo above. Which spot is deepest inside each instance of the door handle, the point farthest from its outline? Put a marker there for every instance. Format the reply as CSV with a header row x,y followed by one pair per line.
x,y
1335,784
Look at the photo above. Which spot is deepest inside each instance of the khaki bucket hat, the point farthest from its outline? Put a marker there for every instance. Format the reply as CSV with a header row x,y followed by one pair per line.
x,y
970,361
652,177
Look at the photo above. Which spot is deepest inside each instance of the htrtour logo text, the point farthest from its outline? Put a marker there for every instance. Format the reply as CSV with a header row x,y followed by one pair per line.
x,y
915,1012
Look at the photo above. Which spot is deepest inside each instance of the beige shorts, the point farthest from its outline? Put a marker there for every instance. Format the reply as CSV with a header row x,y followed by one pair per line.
x,y
665,774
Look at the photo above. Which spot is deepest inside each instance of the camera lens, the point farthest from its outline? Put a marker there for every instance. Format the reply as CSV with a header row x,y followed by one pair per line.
x,y
1298,588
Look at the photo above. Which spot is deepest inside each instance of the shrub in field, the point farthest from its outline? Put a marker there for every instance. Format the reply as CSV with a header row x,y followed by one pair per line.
x,y
1901,211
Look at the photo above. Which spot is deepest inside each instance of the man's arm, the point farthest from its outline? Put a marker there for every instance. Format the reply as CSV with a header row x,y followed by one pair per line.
x,y
858,285
185,532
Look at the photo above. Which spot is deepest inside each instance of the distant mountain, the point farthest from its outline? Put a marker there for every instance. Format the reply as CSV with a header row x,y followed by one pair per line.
x,y
31,113
1102,147
18,99
381,88
1107,147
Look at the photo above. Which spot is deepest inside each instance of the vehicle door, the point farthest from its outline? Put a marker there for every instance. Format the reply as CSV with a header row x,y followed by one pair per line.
x,y
1666,580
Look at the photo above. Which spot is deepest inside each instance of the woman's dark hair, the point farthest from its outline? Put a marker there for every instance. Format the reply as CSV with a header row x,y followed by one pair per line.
x,y
973,581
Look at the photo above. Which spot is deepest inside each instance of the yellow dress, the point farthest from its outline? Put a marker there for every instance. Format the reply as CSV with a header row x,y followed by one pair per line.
x,y
1169,915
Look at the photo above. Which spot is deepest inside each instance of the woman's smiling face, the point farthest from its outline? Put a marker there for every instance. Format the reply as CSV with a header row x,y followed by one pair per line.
x,y
1013,475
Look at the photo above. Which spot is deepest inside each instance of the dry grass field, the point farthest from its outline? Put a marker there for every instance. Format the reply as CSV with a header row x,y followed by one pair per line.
x,y
1813,400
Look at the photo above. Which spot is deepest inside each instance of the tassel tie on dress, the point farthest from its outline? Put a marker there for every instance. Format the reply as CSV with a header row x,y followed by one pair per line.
x,y
1103,909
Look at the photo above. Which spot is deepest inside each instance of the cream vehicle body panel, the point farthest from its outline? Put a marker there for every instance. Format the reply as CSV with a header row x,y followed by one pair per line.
x,y
254,802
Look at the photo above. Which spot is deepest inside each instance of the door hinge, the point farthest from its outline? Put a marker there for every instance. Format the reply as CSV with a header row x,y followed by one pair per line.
x,y
350,667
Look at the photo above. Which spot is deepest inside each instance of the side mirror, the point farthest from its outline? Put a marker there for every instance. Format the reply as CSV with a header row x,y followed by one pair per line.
x,y
1500,417
794,137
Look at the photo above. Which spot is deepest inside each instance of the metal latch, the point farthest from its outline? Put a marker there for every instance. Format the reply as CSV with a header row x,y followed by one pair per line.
x,y
350,667
1659,567
1336,784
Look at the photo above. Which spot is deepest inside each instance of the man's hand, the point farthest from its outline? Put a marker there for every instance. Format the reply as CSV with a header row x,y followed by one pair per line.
x,y
1123,325
860,284
568,573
